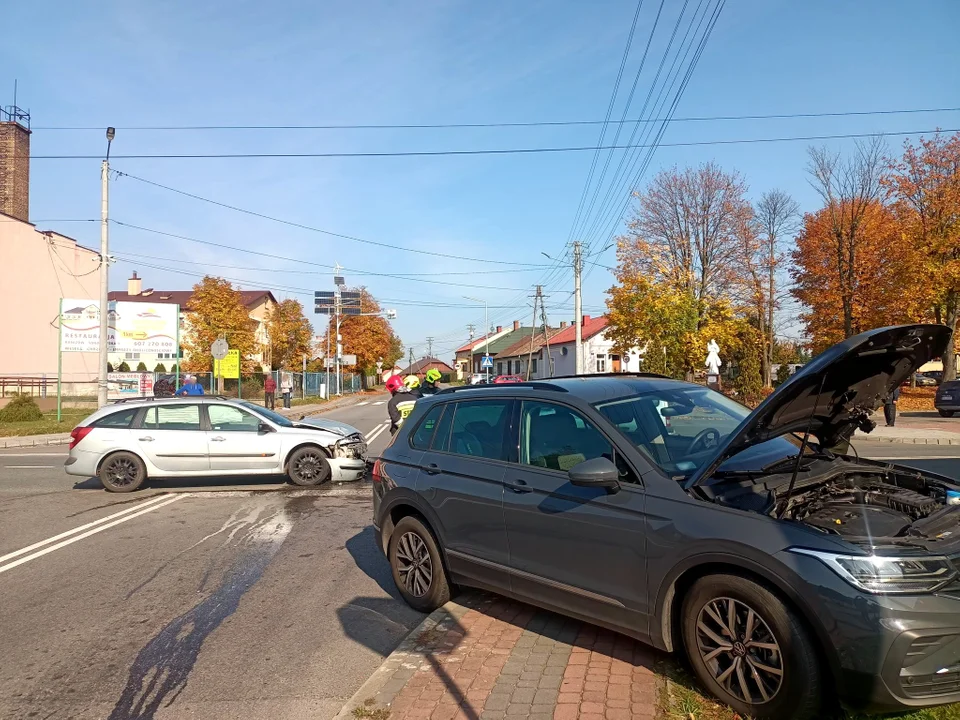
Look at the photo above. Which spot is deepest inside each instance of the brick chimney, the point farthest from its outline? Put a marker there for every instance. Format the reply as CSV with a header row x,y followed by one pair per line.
x,y
15,164
563,324
516,324
134,285
586,319
499,328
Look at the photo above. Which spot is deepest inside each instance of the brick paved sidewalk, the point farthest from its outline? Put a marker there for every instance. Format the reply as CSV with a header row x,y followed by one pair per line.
x,y
488,658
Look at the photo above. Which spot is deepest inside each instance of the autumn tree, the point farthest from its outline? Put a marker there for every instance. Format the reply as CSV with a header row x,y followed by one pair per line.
x,y
687,233
775,218
874,285
925,189
850,189
290,334
216,310
369,336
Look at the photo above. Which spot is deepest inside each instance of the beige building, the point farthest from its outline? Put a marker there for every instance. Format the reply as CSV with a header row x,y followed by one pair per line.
x,y
259,304
39,267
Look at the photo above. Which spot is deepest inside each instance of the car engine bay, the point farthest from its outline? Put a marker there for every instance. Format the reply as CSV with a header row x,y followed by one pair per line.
x,y
860,502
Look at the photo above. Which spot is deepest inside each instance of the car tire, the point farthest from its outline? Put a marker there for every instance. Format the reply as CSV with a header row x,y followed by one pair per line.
x,y
122,472
946,413
308,467
779,662
416,566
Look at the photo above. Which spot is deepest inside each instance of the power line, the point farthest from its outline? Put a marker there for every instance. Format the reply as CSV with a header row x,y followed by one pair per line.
x,y
289,259
301,226
491,151
504,124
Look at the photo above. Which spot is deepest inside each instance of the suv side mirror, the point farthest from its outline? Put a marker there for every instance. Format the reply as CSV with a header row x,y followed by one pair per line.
x,y
598,472
264,428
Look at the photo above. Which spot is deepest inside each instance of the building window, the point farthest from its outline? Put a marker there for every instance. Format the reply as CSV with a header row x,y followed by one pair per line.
x,y
131,356
601,363
533,366
499,368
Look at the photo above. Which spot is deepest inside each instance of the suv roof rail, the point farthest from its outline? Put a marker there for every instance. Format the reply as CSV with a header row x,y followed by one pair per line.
x,y
613,375
538,384
150,398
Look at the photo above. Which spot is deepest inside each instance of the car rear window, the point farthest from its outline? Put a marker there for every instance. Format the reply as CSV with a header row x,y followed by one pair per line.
x,y
121,419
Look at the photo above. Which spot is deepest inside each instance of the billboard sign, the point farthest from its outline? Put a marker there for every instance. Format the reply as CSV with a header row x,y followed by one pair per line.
x,y
133,327
129,385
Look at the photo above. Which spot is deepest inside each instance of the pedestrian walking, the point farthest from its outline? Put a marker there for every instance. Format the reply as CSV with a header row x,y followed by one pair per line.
x,y
286,387
890,407
270,392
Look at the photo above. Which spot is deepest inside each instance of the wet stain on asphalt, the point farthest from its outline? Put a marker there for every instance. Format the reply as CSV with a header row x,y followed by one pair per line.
x,y
162,668
133,500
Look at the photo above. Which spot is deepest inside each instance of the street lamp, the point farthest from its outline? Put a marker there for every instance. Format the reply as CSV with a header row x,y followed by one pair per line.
x,y
486,330
104,271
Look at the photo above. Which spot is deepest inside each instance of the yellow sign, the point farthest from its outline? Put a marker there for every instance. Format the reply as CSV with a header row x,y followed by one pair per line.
x,y
229,366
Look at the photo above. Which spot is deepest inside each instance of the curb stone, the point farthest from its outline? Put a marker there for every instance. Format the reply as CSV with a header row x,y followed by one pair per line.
x,y
406,654
20,441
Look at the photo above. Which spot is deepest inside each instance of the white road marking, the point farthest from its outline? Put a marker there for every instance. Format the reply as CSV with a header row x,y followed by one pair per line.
x,y
88,533
379,402
81,528
376,432
29,467
361,404
13,455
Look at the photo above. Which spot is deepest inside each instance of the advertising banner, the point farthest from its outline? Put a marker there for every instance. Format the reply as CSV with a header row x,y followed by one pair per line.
x,y
133,327
229,366
129,385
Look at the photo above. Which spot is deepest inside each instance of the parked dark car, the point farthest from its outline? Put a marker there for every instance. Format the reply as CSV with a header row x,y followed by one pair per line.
x,y
947,399
787,573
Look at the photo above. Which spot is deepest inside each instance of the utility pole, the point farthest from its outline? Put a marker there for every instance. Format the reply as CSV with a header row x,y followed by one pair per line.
x,y
471,329
411,357
104,271
546,335
577,307
429,347
533,329
337,284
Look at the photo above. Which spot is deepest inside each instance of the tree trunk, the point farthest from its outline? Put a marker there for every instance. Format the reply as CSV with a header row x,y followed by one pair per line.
x,y
363,380
768,341
950,320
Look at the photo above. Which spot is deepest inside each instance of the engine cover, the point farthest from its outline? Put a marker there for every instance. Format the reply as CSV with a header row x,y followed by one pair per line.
x,y
845,518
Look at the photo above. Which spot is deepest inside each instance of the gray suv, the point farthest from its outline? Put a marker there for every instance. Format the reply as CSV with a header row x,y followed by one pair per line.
x,y
786,570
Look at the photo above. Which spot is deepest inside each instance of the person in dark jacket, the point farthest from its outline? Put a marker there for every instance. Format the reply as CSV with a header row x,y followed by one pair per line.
x,y
270,392
431,382
401,404
890,407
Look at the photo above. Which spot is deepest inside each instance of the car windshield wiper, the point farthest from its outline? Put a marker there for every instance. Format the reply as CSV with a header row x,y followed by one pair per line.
x,y
784,463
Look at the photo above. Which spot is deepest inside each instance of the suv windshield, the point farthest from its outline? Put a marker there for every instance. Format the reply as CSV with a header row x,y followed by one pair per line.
x,y
269,414
680,428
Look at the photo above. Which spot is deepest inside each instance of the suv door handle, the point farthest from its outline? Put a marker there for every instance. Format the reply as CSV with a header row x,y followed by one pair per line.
x,y
518,486
218,438
432,469
146,439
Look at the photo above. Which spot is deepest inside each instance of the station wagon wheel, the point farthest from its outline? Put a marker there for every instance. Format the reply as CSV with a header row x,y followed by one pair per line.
x,y
308,466
122,472
750,649
416,565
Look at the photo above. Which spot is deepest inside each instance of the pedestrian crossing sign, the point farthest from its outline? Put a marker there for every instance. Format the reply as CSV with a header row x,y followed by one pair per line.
x,y
487,361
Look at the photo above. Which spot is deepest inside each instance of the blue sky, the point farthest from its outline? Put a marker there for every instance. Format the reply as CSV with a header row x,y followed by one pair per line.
x,y
243,63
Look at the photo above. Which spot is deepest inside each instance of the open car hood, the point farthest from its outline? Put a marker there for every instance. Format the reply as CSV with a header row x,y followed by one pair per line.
x,y
836,392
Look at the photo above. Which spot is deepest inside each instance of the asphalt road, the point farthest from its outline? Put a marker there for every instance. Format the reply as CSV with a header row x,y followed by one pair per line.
x,y
222,599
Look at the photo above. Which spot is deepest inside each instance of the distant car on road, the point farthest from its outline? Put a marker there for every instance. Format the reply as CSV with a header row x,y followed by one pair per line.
x,y
925,381
501,379
477,379
125,443
947,399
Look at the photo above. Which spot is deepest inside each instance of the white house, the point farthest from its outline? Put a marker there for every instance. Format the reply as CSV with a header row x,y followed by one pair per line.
x,y
598,353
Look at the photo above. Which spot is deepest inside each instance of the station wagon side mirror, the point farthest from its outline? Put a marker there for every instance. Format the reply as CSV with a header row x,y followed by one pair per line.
x,y
598,472
264,428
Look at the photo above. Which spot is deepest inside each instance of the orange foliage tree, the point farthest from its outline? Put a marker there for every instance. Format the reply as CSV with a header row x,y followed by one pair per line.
x,y
217,310
848,288
925,188
290,335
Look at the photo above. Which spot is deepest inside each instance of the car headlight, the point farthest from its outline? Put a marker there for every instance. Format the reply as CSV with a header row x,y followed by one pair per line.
x,y
888,575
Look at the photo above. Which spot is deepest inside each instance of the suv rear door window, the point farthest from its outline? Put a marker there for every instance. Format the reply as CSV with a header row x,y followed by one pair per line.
x,y
420,438
478,428
556,437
